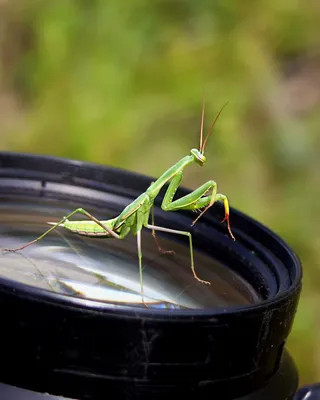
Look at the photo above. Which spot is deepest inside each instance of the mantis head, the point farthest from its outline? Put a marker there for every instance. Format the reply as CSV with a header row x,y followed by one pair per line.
x,y
198,155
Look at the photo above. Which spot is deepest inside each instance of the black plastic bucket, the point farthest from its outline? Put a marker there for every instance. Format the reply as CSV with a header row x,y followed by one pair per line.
x,y
72,322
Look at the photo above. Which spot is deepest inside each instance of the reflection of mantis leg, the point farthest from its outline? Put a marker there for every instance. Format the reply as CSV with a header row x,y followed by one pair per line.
x,y
184,233
79,253
70,245
102,280
39,271
155,237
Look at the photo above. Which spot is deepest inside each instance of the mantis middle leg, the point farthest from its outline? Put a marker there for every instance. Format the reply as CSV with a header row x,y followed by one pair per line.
x,y
155,237
184,233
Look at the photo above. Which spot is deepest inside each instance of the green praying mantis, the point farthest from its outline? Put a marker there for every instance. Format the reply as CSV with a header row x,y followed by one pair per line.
x,y
136,215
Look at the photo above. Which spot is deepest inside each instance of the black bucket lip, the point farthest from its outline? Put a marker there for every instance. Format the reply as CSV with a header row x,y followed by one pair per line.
x,y
33,293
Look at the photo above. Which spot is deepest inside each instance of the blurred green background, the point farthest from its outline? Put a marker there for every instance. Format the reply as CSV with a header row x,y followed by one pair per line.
x,y
121,83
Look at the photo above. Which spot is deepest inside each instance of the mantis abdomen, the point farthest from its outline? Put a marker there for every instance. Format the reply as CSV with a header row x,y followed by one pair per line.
x,y
89,228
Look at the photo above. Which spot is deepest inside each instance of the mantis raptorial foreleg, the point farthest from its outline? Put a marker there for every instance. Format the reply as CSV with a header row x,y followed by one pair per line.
x,y
208,201
191,201
195,200
184,233
64,219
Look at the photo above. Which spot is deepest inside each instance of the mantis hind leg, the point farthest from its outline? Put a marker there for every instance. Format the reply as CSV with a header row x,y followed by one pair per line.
x,y
184,233
78,210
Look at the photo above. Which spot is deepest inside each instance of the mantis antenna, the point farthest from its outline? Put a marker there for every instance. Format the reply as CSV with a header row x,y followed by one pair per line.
x,y
211,129
201,128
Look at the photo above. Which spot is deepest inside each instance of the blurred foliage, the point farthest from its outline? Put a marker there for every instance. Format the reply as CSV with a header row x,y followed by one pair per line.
x,y
121,83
